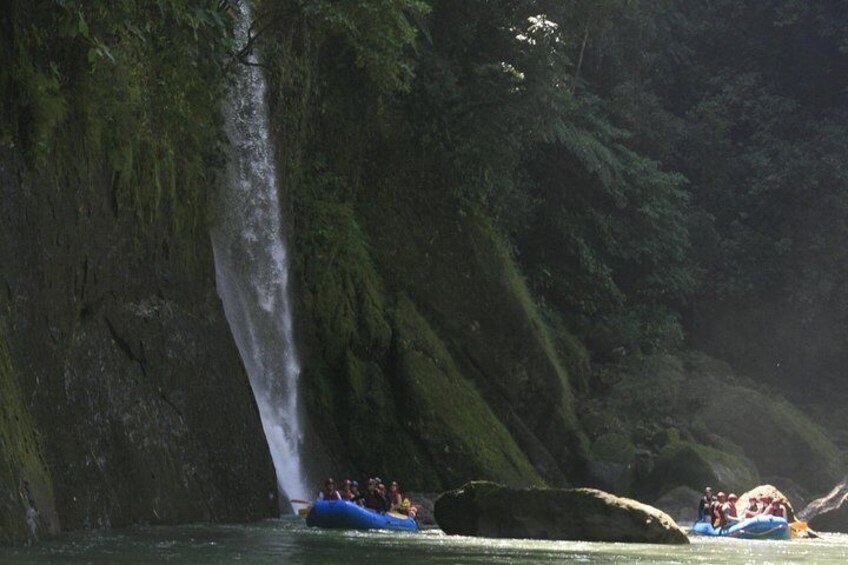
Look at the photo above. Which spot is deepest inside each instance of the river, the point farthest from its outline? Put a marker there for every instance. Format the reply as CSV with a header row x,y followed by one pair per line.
x,y
290,542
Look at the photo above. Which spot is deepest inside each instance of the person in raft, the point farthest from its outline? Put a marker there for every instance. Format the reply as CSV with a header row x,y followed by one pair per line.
x,y
346,492
724,512
732,515
329,492
704,504
356,496
399,504
752,510
395,497
384,492
776,509
373,499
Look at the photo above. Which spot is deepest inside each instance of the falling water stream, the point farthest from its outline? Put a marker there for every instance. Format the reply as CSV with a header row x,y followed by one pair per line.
x,y
252,271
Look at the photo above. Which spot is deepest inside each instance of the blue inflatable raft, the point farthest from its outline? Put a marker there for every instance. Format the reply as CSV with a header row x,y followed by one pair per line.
x,y
347,515
760,527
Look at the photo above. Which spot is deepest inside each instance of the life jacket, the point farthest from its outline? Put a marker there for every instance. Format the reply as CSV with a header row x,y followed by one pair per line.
x,y
731,510
720,514
375,501
780,511
346,495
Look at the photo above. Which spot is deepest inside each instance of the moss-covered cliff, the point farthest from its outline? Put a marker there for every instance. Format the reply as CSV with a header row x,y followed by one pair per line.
x,y
123,396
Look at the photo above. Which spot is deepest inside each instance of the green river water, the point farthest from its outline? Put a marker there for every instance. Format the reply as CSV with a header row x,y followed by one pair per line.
x,y
289,541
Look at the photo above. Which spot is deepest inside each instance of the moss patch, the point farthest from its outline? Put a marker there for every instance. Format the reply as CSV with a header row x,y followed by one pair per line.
x,y
688,464
613,447
778,436
456,269
457,428
24,478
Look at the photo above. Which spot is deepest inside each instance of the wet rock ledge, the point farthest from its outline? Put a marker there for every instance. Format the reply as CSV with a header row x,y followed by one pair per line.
x,y
487,509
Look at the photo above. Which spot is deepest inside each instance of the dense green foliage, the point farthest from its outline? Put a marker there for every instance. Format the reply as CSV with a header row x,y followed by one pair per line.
x,y
659,168
125,91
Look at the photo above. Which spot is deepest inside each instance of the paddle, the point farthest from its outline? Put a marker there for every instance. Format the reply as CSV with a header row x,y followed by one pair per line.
x,y
299,501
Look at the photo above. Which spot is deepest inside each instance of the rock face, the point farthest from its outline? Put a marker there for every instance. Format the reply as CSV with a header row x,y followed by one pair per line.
x,y
122,396
835,520
489,510
681,503
828,502
683,463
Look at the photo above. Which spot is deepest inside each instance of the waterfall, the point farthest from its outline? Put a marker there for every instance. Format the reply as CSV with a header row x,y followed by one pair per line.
x,y
251,269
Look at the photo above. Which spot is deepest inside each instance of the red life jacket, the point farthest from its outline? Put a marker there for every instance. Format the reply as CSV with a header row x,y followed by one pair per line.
x,y
780,511
346,495
731,510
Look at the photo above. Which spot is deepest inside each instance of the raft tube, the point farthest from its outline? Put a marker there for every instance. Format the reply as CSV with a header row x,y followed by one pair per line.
x,y
759,527
341,514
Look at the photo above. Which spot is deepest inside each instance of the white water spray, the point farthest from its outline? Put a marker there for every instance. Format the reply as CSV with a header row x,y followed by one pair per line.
x,y
252,271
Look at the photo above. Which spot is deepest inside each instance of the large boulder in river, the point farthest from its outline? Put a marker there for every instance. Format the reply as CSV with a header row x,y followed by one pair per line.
x,y
490,510
826,503
833,520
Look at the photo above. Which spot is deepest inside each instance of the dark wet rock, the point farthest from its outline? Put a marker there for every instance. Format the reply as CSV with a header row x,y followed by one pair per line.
x,y
833,519
826,503
129,398
681,503
490,510
424,501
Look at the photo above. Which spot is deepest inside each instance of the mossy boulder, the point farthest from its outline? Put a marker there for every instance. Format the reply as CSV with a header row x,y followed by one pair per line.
x,y
491,510
775,434
695,466
693,399
613,447
681,503
610,458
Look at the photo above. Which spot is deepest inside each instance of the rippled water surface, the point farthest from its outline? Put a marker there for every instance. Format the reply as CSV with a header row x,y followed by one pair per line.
x,y
288,541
